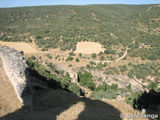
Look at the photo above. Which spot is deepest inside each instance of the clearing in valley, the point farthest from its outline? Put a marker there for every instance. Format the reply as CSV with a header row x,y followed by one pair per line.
x,y
89,47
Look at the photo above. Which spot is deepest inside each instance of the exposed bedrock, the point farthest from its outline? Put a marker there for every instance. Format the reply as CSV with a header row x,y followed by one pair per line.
x,y
15,67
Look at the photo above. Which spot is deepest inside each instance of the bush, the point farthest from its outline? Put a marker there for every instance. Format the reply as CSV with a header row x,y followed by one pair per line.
x,y
123,68
111,70
141,71
73,87
132,97
120,54
154,86
109,51
92,63
86,80
130,74
105,91
93,55
106,52
41,70
65,81
80,55
71,54
51,66
69,58
33,58
49,56
77,60
102,58
88,66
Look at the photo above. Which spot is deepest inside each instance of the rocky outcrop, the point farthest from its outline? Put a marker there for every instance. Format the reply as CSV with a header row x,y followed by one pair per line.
x,y
15,67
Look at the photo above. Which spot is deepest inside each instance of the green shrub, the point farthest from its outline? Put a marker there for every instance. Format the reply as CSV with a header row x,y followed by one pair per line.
x,y
141,71
86,80
105,91
123,68
129,87
33,58
120,54
49,56
88,66
132,97
108,94
130,74
69,58
92,63
71,54
70,65
153,86
65,81
51,65
41,70
73,87
106,52
111,70
77,59
102,58
80,55
93,55
109,51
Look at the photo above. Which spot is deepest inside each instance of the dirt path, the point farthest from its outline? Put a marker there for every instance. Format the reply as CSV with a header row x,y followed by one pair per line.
x,y
32,49
109,61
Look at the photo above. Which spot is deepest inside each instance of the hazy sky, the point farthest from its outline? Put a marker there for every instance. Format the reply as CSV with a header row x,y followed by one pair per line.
x,y
16,3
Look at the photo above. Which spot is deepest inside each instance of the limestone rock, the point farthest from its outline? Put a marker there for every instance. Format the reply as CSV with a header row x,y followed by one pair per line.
x,y
15,67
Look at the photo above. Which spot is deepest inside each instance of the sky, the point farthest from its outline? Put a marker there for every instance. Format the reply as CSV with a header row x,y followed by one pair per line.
x,y
19,3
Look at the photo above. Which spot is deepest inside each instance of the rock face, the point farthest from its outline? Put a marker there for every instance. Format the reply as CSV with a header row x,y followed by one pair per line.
x,y
15,67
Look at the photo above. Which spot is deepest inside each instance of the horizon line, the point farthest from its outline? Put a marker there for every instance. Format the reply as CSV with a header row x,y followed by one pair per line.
x,y
78,5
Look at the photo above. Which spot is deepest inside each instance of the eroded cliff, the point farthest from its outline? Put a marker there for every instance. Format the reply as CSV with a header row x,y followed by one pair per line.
x,y
15,67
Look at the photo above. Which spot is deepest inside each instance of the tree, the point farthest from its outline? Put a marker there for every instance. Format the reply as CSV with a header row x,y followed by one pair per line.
x,y
73,87
86,80
80,55
93,55
69,58
77,60
32,57
106,52
123,68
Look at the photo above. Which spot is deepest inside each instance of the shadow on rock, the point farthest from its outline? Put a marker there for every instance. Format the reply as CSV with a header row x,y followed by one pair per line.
x,y
150,101
49,104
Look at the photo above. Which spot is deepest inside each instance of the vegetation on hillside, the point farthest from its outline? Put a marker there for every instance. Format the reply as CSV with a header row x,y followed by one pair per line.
x,y
86,80
105,91
63,26
63,81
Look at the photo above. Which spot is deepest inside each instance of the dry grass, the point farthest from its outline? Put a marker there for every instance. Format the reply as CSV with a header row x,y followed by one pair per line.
x,y
20,46
88,47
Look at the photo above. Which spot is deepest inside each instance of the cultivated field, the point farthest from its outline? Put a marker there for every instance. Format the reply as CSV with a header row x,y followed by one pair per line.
x,y
89,47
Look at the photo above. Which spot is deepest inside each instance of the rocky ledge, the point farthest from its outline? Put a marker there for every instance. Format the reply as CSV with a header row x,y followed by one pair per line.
x,y
15,67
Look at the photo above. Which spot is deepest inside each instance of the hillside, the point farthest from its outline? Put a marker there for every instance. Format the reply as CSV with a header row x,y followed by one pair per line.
x,y
51,104
114,26
84,60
